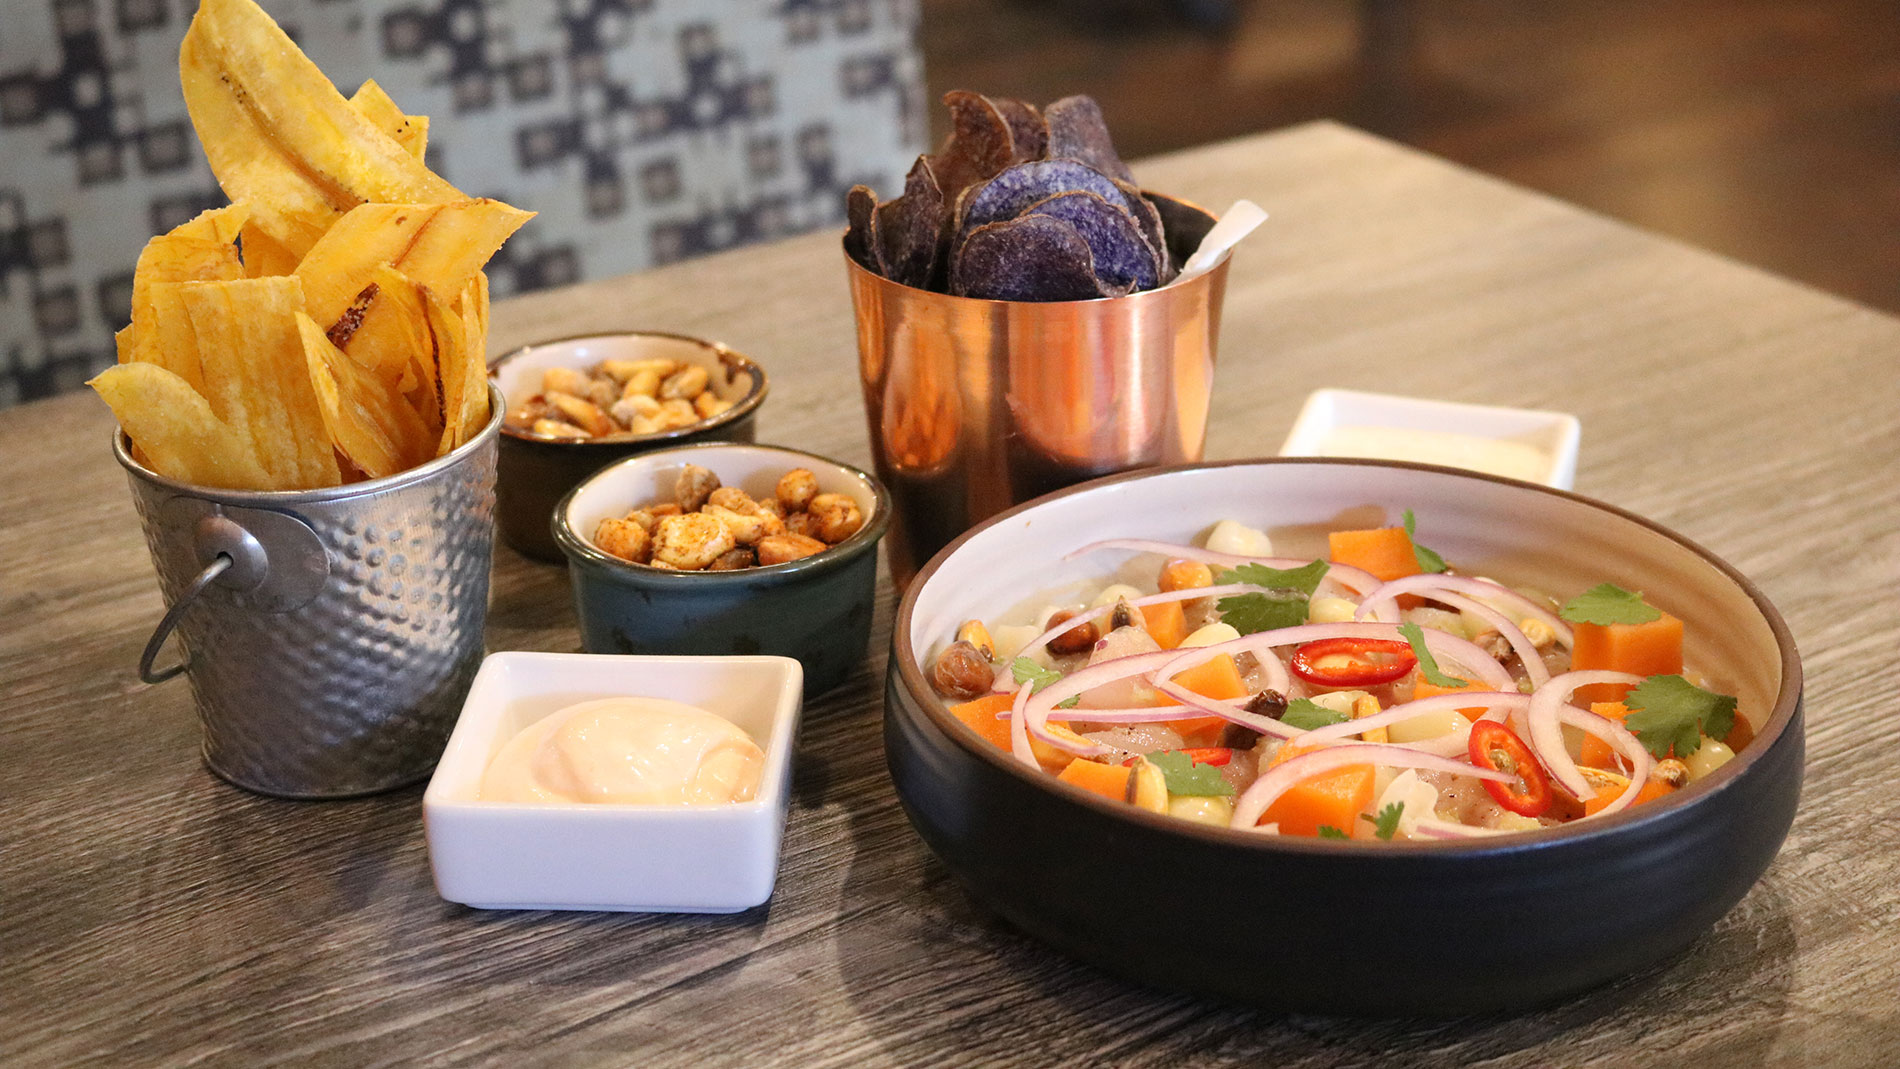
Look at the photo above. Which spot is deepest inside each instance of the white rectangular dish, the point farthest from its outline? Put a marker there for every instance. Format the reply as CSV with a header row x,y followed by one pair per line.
x,y
1521,443
649,858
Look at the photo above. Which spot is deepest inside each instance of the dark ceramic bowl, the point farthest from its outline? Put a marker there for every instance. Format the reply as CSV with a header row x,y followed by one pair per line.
x,y
532,473
1343,927
817,609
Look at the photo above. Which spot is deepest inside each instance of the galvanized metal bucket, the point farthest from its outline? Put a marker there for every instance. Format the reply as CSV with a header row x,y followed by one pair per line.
x,y
329,635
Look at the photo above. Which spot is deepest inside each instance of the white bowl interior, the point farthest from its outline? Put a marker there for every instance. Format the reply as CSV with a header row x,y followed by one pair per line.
x,y
1512,533
649,479
519,373
1555,435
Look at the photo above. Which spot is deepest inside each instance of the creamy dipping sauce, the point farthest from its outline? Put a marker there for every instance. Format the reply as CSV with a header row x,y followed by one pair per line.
x,y
627,751
1494,456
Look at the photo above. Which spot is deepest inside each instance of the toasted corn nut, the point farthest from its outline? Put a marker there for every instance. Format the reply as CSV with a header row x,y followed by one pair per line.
x,y
685,384
1053,758
1078,639
663,566
525,415
565,380
641,384
582,413
1365,705
603,392
645,425
800,523
617,370
1210,810
628,409
675,414
646,518
1185,575
1671,771
747,527
836,517
1123,615
772,506
554,428
623,370
691,541
694,487
1538,632
1602,779
962,671
623,538
733,498
779,548
1148,788
978,636
710,404
665,508
734,559
796,488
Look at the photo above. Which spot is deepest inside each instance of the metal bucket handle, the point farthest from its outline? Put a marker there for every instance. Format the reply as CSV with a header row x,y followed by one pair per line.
x,y
234,558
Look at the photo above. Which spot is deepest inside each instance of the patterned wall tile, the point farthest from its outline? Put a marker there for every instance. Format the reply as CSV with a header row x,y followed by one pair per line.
x,y
642,131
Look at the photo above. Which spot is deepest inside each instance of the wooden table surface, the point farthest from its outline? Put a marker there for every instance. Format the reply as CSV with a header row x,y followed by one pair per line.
x,y
150,914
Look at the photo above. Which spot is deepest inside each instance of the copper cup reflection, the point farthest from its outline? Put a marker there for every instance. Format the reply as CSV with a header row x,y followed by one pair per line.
x,y
975,406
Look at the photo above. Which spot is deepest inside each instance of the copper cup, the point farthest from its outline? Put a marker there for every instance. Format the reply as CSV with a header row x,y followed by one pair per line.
x,y
975,406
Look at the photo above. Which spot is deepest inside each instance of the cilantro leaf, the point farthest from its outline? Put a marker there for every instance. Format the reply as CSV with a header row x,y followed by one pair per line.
x,y
1187,778
1670,711
1428,560
1283,602
1306,714
1038,677
1427,664
1387,822
1609,604
1327,831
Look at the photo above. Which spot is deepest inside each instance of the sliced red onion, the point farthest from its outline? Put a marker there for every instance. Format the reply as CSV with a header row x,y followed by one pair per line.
x,y
1465,654
1357,580
1428,584
1547,737
1407,710
1151,599
1434,828
1275,781
1035,714
1019,729
1520,643
1620,737
1232,712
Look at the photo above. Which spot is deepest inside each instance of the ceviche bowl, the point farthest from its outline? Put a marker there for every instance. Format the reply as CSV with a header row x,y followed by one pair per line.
x,y
1475,924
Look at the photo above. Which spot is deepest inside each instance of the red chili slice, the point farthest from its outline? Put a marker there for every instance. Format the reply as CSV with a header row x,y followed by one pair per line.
x,y
1369,661
1497,747
1200,755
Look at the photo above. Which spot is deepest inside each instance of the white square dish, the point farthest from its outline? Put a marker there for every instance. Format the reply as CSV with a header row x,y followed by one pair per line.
x,y
1529,444
645,858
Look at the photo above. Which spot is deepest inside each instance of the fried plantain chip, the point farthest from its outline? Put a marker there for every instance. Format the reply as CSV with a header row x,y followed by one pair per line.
x,y
264,255
280,137
174,430
214,224
473,306
1033,258
409,131
166,259
372,426
459,369
256,376
440,246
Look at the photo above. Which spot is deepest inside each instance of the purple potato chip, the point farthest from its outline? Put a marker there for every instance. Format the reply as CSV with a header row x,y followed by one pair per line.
x,y
1028,135
1122,258
1035,258
1183,223
1078,132
907,229
1010,193
860,212
1152,230
978,147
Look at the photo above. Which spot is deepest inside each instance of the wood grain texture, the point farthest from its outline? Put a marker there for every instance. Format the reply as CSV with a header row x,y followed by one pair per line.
x,y
149,914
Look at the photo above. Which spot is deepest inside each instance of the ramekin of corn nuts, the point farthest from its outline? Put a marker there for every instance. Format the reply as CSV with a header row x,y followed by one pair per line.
x,y
715,528
618,399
